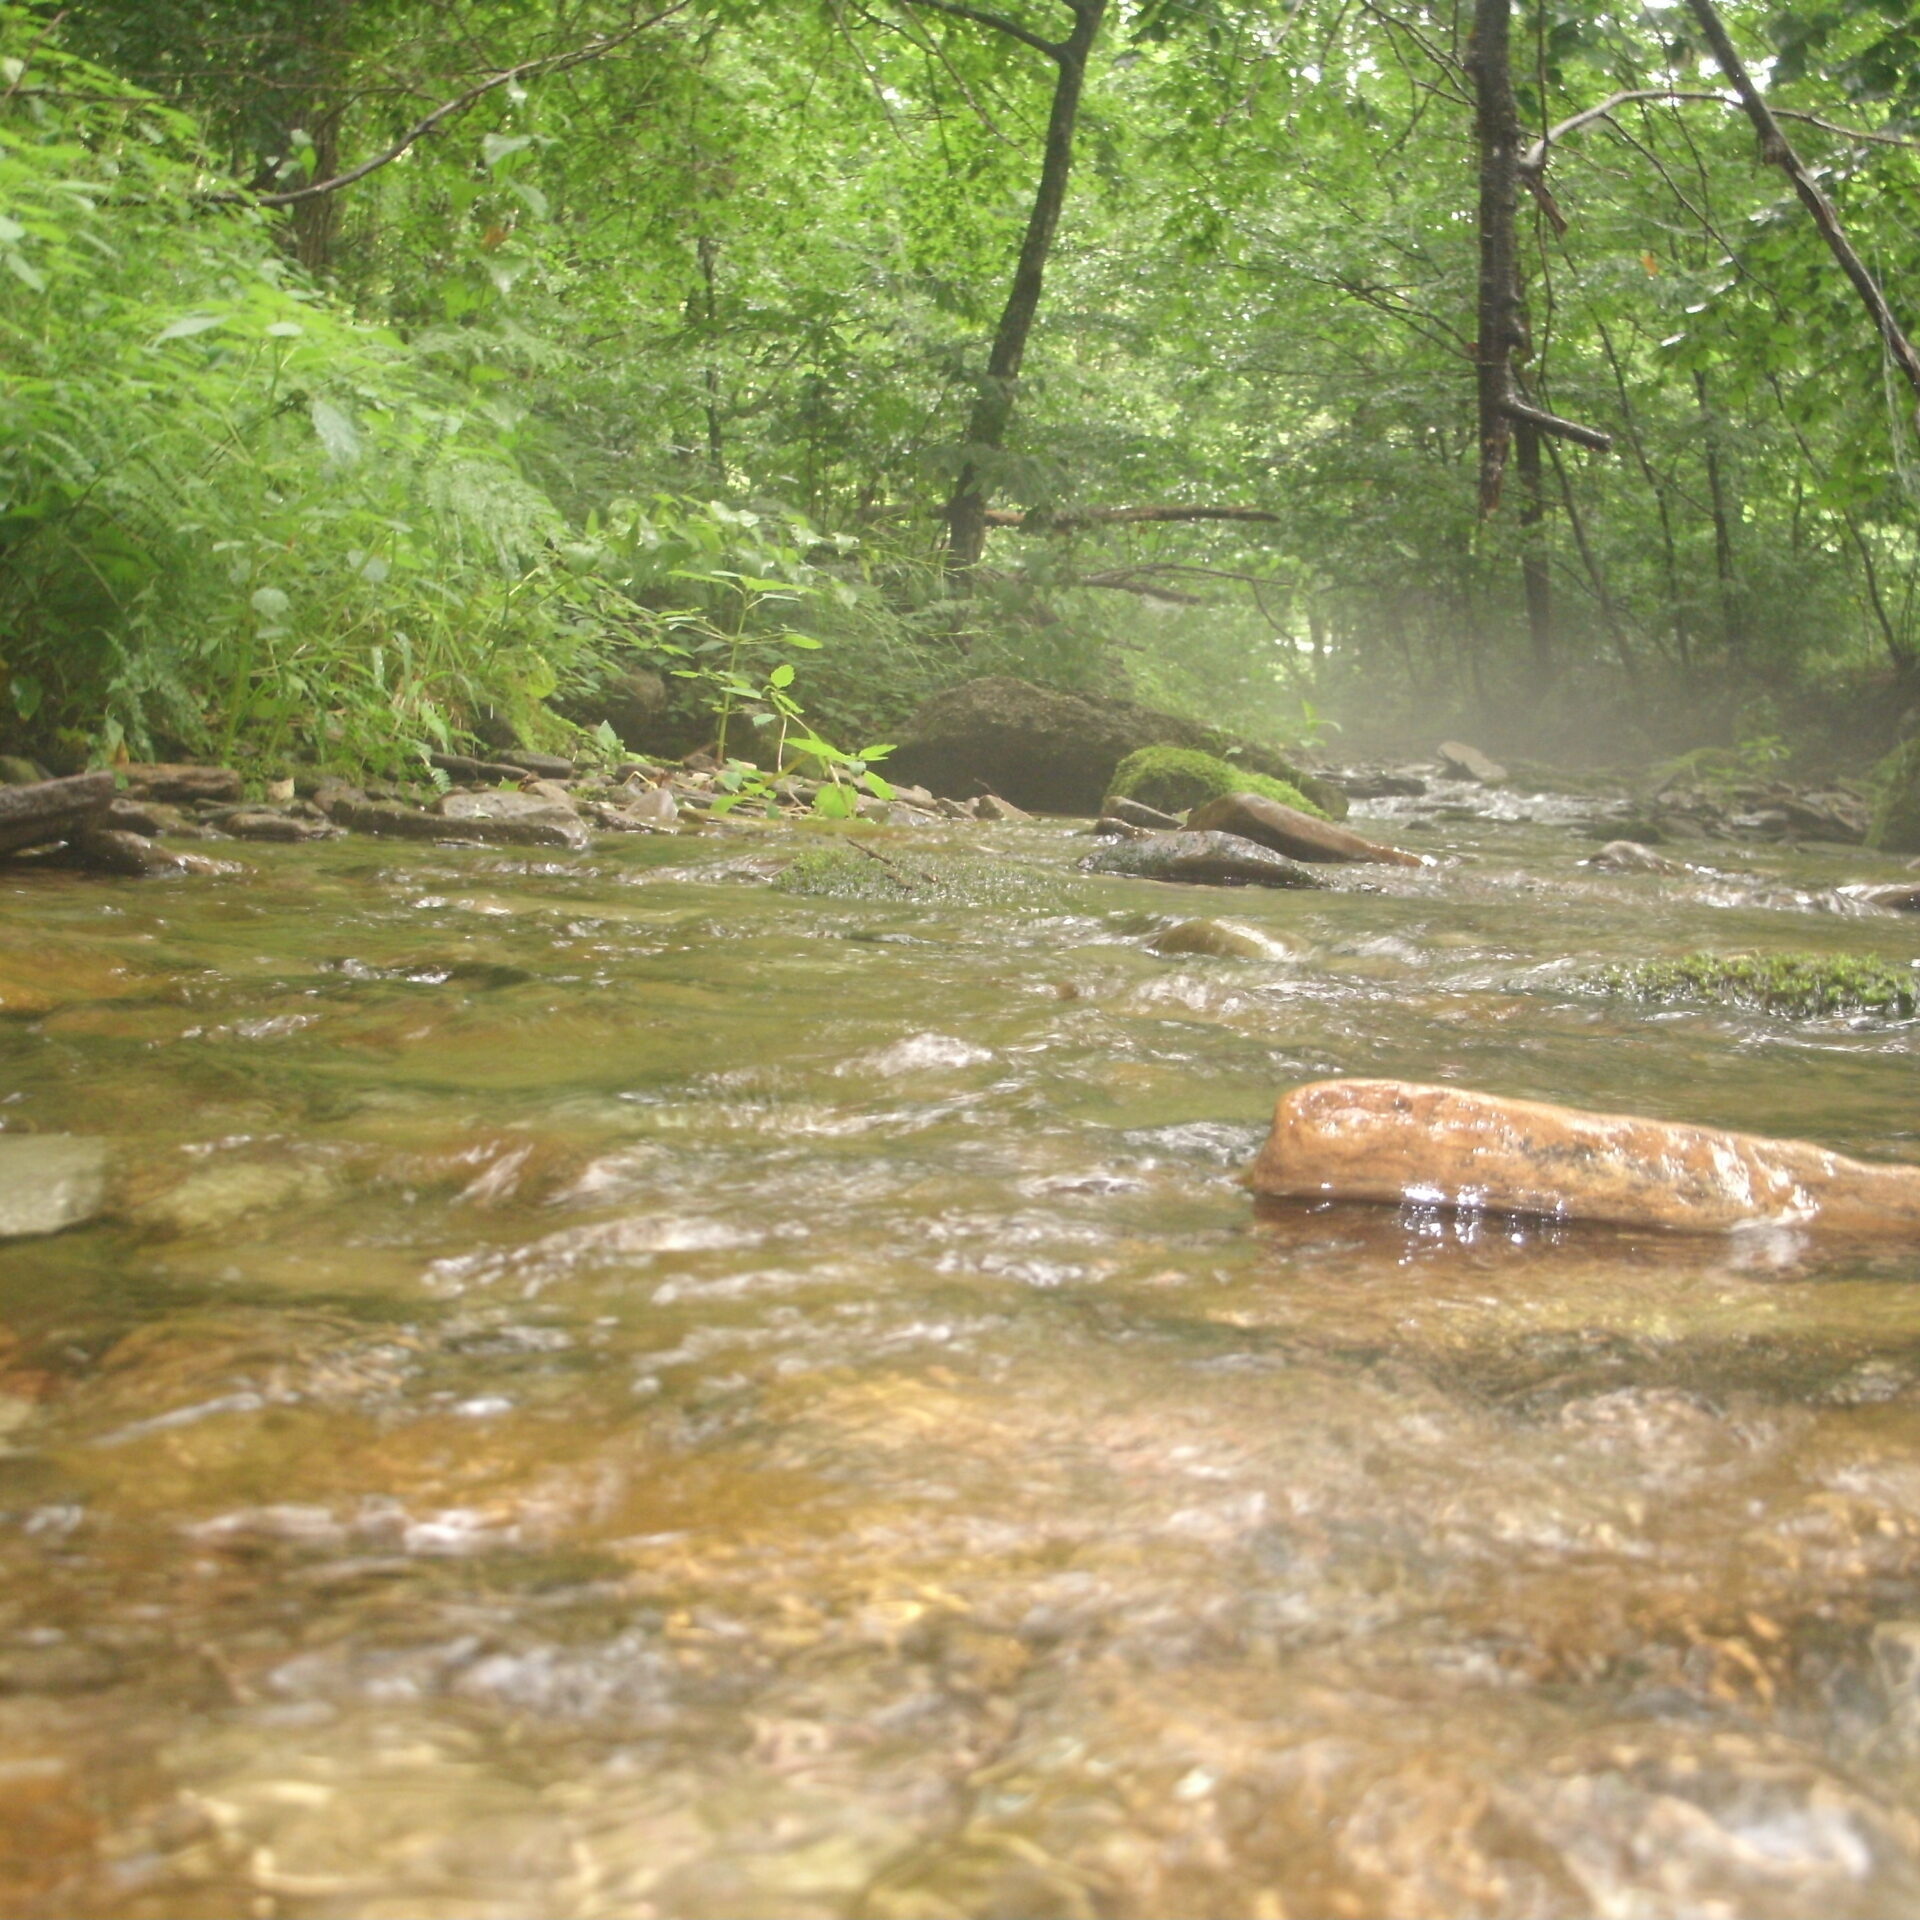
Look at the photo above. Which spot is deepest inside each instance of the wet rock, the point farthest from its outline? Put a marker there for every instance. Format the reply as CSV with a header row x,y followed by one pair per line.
x,y
150,818
49,1181
103,850
989,806
1394,1141
1287,830
408,823
1901,896
1201,859
215,1197
163,781
547,766
265,823
1112,827
1469,763
953,810
474,773
645,810
895,813
1220,939
1629,856
50,810
1136,813
1055,752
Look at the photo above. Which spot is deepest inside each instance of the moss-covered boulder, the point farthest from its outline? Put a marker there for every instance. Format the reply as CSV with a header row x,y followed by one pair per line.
x,y
1896,801
1798,986
1056,752
1177,779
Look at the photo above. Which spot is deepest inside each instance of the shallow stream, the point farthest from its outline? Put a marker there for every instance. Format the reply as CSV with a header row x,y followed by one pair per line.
x,y
616,1389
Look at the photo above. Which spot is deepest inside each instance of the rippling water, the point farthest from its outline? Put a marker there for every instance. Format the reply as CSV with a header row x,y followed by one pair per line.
x,y
612,1389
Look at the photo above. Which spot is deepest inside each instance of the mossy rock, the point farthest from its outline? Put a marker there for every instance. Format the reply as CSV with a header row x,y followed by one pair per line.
x,y
1896,801
1175,779
1800,986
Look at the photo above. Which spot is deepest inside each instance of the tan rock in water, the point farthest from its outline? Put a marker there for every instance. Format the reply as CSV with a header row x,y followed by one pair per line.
x,y
1287,830
1394,1141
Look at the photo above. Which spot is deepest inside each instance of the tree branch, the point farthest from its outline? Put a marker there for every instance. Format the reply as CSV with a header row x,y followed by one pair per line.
x,y
1775,148
1551,423
1071,520
552,62
1053,49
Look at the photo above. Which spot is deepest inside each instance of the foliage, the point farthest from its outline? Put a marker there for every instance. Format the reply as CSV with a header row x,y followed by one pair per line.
x,y
1799,986
1175,779
1895,827
234,519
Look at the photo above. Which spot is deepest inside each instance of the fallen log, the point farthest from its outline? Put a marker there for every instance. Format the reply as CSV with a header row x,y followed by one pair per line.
x,y
1287,830
1401,1143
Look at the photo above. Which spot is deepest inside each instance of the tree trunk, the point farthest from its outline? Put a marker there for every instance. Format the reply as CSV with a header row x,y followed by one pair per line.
x,y
1733,624
1536,578
993,405
1501,330
708,250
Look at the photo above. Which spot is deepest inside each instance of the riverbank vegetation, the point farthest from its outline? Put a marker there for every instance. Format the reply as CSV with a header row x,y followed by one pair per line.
x,y
384,380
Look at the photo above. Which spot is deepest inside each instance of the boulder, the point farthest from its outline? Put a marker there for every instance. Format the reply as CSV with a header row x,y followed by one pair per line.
x,y
1178,779
1401,1143
38,814
1200,859
166,781
407,823
1469,763
494,803
48,1182
107,850
1287,830
989,806
1052,752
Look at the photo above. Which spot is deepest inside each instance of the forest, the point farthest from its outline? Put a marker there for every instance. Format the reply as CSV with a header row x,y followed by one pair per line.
x,y
380,378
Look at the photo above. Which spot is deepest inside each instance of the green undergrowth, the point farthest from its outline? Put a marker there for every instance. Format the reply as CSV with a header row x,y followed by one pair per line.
x,y
935,879
1797,986
1175,779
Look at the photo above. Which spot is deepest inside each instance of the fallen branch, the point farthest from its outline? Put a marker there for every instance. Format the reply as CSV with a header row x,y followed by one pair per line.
x,y
1071,520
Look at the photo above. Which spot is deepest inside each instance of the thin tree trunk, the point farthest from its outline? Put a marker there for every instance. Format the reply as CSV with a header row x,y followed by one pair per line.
x,y
1536,576
1609,613
708,250
1502,332
993,405
1725,572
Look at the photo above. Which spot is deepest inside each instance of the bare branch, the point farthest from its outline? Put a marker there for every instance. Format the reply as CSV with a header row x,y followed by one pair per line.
x,y
548,63
1041,520
1053,49
1551,423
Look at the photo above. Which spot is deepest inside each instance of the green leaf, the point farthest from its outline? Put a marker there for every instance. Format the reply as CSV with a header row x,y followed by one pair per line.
x,y
338,434
781,676
27,694
495,147
269,603
23,269
187,326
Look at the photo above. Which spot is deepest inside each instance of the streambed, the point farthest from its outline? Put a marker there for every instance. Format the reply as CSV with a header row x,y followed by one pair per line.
x,y
615,1388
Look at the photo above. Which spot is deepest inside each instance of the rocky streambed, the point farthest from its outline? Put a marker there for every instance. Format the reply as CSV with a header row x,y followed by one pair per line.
x,y
711,1372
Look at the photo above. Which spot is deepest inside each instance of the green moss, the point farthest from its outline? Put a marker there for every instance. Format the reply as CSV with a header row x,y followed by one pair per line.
x,y
928,879
1896,801
1801,986
1177,778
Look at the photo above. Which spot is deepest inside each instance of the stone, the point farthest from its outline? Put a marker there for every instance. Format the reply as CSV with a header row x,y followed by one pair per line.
x,y
408,823
474,773
1111,827
279,793
548,766
215,1197
1287,830
1401,1143
50,810
1221,940
1469,763
264,823
954,810
647,809
49,1182
1201,859
989,806
1900,896
1179,779
103,850
149,817
164,781
1629,856
494,803
1052,752
1136,813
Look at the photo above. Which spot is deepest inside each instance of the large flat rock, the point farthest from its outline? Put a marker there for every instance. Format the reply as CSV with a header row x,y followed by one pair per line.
x,y
44,811
49,1181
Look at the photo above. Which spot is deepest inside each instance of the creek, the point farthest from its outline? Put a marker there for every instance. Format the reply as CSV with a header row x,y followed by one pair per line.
x,y
614,1388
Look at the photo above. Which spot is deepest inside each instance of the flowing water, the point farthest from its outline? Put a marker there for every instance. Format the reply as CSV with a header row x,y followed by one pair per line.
x,y
614,1388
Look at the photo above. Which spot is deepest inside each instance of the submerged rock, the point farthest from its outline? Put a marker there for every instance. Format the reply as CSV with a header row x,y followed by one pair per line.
x,y
1201,859
38,814
553,828
48,1182
1398,1142
1287,830
1222,940
1629,856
